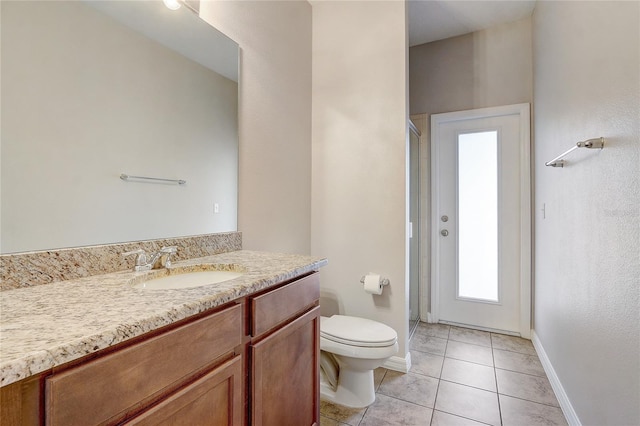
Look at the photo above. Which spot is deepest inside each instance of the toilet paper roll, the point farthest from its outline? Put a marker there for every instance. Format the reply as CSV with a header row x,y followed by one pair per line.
x,y
372,284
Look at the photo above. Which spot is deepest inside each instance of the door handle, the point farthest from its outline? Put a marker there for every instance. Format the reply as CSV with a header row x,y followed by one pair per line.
x,y
444,232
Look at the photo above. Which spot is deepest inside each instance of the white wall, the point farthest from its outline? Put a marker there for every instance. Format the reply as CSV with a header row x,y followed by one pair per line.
x,y
85,99
587,273
274,208
359,214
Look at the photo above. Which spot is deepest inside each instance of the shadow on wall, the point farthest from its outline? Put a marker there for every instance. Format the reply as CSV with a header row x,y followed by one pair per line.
x,y
383,300
329,304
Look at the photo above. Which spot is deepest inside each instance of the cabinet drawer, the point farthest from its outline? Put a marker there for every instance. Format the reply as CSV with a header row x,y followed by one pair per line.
x,y
277,306
106,389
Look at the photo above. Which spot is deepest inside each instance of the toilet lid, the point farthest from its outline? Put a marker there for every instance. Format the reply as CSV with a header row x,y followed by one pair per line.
x,y
357,331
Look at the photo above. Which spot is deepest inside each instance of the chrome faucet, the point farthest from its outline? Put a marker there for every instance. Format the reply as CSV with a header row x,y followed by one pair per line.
x,y
161,257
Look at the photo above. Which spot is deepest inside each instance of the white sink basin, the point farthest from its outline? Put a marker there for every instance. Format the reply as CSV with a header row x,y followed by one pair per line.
x,y
187,277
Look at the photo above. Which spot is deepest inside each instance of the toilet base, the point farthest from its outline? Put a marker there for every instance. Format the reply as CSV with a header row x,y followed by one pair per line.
x,y
355,389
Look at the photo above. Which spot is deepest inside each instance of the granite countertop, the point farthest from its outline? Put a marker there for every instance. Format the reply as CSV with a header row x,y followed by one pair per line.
x,y
48,325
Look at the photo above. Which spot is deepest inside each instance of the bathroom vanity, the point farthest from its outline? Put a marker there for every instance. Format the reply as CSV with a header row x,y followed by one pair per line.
x,y
243,352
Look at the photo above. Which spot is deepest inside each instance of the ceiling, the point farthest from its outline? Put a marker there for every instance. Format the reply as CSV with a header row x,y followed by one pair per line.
x,y
431,20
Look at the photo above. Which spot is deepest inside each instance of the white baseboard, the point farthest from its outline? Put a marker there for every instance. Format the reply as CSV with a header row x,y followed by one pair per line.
x,y
397,363
563,399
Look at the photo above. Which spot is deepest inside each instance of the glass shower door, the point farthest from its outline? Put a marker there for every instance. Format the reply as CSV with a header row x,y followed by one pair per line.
x,y
414,227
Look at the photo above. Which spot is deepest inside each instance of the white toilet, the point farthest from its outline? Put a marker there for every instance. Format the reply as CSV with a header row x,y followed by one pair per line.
x,y
351,348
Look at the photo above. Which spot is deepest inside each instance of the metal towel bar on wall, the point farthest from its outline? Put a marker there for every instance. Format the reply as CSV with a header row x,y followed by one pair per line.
x,y
590,143
124,176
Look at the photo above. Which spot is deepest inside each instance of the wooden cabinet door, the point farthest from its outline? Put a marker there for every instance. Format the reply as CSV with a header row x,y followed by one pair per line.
x,y
213,400
285,384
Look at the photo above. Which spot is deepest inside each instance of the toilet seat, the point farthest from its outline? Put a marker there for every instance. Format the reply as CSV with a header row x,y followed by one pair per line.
x,y
355,331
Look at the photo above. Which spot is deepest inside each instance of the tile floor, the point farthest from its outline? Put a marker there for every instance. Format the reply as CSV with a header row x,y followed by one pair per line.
x,y
458,377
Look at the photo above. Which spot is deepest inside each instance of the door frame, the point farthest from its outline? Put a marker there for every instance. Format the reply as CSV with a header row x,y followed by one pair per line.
x,y
523,111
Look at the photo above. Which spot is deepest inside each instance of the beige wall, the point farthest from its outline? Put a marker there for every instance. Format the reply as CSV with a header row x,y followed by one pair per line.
x,y
359,213
482,69
85,99
487,68
587,294
275,119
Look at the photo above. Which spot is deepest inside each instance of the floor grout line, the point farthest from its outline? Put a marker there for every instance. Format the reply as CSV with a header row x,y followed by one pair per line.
x,y
520,372
495,376
462,417
435,399
528,400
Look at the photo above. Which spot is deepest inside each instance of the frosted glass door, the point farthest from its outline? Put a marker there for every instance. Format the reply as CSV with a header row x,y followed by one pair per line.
x,y
481,219
478,215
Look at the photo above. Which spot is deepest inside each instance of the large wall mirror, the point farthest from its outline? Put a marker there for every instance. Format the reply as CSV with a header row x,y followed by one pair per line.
x,y
91,90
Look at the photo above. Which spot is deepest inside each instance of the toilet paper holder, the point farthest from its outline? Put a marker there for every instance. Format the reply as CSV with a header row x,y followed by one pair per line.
x,y
383,281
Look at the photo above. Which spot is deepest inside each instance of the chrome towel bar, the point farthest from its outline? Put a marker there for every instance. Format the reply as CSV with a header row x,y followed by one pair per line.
x,y
124,176
590,143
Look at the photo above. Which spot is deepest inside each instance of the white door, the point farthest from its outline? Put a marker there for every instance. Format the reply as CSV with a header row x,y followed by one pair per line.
x,y
481,219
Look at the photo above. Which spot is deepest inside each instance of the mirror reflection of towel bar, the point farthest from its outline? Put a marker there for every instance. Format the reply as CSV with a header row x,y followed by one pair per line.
x,y
590,143
124,176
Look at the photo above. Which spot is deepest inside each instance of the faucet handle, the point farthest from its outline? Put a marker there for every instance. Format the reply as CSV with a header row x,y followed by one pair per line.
x,y
141,256
167,252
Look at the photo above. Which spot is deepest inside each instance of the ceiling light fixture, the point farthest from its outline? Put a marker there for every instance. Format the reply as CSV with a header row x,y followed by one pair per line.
x,y
172,4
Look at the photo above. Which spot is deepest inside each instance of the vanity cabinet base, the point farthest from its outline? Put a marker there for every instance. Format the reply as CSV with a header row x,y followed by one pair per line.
x,y
255,361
